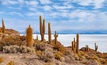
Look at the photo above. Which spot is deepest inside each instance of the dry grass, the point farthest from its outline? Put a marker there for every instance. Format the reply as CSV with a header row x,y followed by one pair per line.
x,y
11,63
1,60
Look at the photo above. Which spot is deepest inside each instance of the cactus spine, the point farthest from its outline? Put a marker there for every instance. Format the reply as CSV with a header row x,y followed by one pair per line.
x,y
96,47
29,37
49,33
42,28
3,26
77,43
55,35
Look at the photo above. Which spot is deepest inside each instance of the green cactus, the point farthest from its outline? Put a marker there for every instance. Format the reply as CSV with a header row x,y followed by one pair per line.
x,y
55,35
3,26
29,36
49,33
77,43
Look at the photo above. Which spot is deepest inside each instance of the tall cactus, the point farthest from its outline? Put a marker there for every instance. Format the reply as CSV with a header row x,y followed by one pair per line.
x,y
74,43
37,37
96,47
87,48
29,37
73,48
55,35
42,28
3,26
77,43
49,33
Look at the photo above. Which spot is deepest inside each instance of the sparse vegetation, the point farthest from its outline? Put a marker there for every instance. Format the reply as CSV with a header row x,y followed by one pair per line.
x,y
50,52
11,63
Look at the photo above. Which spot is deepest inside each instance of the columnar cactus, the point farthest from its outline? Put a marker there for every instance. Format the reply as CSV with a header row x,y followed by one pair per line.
x,y
49,33
74,43
37,37
87,48
29,37
73,48
55,35
77,43
96,47
43,33
3,26
42,28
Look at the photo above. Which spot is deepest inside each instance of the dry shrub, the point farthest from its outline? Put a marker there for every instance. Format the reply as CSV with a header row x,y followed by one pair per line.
x,y
11,63
1,60
58,55
17,49
41,46
10,40
46,55
59,47
103,61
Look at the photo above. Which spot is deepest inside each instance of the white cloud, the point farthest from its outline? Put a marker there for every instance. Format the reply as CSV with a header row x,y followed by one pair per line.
x,y
15,13
31,3
1,12
45,1
95,3
8,2
62,7
47,8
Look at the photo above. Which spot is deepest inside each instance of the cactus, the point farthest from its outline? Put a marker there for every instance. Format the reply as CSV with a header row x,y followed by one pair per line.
x,y
3,26
77,43
96,47
55,35
29,37
37,37
49,33
73,48
42,28
74,43
43,32
87,48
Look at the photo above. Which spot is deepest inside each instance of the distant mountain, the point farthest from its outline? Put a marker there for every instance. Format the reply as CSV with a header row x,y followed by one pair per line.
x,y
75,32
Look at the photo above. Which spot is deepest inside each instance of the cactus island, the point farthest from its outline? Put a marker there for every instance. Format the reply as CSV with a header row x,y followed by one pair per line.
x,y
24,50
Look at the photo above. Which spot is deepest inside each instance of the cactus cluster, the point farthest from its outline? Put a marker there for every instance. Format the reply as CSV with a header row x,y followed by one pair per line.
x,y
96,47
49,33
55,35
29,37
42,28
75,44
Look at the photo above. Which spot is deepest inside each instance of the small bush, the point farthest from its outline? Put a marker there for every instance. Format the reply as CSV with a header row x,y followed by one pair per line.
x,y
58,55
40,46
10,40
58,47
17,49
11,63
46,55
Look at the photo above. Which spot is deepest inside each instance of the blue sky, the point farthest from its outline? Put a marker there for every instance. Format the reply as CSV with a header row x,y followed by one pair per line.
x,y
65,16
